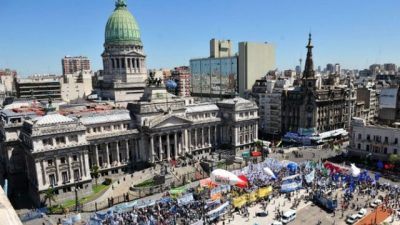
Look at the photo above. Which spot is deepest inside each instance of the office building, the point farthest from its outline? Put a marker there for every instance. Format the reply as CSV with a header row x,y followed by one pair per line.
x,y
375,142
214,77
73,64
7,78
222,75
389,106
76,86
369,96
255,60
268,96
181,75
39,87
220,48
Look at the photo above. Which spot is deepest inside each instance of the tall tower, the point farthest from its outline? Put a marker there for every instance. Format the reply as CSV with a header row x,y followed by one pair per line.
x,y
309,79
124,61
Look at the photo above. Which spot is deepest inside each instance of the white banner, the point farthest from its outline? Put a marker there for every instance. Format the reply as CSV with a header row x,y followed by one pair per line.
x,y
388,98
185,199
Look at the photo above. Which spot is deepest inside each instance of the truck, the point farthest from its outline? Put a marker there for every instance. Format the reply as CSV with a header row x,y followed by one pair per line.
x,y
322,199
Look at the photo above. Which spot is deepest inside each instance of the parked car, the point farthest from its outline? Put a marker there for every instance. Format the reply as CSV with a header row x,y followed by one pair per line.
x,y
276,223
262,214
361,213
352,219
375,203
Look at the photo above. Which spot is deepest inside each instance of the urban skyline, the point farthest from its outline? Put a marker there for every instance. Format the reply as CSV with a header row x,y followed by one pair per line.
x,y
358,44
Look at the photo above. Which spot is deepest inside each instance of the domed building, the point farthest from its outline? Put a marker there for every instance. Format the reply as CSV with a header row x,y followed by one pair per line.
x,y
124,61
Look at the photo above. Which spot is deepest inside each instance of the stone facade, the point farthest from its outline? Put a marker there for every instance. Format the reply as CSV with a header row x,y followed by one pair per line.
x,y
124,61
58,152
373,141
316,107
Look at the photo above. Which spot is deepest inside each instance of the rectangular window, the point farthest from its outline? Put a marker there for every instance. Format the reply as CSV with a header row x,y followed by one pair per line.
x,y
75,158
52,180
64,177
76,175
63,161
395,141
47,142
107,128
50,162
60,140
73,138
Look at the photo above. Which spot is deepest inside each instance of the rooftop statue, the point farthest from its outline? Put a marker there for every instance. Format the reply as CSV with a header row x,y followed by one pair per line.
x,y
154,82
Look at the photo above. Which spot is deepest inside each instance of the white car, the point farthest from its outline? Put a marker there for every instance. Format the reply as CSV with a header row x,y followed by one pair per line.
x,y
361,213
352,219
375,203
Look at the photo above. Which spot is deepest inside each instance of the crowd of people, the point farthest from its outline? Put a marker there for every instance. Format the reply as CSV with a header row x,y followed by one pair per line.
x,y
171,211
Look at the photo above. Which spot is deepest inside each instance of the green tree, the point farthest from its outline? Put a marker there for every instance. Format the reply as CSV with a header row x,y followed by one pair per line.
x,y
394,158
50,196
260,146
95,173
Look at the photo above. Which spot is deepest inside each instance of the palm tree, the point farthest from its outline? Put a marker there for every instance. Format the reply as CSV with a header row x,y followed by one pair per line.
x,y
49,195
95,172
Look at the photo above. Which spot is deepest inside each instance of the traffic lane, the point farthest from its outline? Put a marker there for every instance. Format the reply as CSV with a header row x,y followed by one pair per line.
x,y
312,214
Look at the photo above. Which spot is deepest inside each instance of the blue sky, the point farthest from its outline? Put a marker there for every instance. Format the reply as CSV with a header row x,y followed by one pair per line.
x,y
35,35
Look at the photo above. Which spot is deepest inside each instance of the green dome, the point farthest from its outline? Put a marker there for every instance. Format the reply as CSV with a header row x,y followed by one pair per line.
x,y
121,27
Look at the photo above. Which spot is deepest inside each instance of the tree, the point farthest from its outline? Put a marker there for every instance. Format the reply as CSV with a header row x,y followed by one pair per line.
x,y
260,146
49,195
394,158
95,172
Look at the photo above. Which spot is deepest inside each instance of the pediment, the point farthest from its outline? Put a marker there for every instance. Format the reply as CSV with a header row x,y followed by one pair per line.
x,y
169,121
135,54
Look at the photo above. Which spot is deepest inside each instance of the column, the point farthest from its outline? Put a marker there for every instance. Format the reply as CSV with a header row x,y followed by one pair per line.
x,y
176,144
126,151
117,147
181,143
209,136
81,165
256,131
57,170
160,146
136,144
195,138
43,172
38,172
71,175
168,148
215,135
152,149
85,166
202,137
186,146
107,156
189,139
96,154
